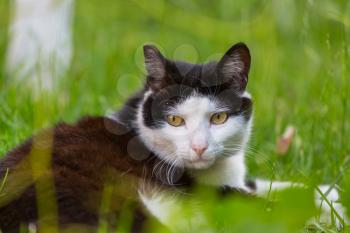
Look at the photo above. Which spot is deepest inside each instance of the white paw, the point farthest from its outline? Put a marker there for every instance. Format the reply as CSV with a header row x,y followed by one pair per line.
x,y
332,195
332,211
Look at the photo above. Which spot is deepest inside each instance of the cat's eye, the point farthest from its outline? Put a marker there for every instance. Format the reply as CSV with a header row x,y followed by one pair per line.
x,y
218,118
175,120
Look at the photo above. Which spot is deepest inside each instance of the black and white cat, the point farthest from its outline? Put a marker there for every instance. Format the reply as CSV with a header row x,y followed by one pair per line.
x,y
198,118
189,124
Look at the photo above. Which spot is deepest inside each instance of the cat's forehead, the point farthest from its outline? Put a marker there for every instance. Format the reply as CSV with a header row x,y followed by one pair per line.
x,y
195,75
195,70
197,105
186,100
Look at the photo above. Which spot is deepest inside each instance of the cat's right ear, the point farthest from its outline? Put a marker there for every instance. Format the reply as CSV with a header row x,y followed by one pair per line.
x,y
155,65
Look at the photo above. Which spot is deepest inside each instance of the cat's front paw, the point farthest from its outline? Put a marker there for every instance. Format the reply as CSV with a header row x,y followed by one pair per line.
x,y
327,199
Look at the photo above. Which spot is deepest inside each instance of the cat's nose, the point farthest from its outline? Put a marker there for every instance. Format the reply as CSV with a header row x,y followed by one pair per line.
x,y
199,149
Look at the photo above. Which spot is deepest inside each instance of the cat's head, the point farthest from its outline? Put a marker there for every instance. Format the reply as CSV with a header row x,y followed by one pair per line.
x,y
194,114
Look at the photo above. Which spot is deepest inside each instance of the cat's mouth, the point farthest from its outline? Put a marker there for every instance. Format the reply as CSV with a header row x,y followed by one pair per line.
x,y
198,163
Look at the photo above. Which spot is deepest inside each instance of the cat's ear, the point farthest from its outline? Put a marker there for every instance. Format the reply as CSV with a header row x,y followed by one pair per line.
x,y
155,65
234,66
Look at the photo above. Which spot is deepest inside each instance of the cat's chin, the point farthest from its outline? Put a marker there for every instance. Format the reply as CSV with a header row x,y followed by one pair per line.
x,y
198,164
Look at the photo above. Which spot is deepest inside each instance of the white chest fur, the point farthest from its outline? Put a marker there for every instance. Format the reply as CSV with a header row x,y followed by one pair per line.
x,y
169,209
229,171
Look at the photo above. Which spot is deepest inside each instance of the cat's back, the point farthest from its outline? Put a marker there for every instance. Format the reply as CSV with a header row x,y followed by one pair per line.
x,y
92,141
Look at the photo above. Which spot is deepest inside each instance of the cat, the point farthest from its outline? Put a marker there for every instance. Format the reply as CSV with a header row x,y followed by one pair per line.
x,y
189,125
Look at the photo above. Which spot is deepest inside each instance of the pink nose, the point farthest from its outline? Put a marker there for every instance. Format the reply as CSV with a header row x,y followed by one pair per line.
x,y
199,149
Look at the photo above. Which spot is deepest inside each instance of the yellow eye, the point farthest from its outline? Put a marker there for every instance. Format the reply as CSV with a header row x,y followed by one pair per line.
x,y
175,120
219,118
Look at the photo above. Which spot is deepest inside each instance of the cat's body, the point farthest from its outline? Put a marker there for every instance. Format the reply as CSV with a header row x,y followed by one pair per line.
x,y
190,124
82,156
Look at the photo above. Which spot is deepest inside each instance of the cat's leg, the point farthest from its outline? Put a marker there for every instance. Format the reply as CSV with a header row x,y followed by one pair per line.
x,y
263,187
327,198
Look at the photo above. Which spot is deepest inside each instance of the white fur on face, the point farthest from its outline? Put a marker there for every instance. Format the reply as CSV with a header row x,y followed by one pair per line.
x,y
174,144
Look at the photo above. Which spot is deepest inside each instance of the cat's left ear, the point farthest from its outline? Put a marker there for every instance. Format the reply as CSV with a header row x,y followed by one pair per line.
x,y
234,66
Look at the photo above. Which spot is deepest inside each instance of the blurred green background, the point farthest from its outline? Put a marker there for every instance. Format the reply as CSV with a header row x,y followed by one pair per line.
x,y
300,73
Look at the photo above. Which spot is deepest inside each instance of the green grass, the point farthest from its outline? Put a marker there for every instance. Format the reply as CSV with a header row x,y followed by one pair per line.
x,y
300,73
